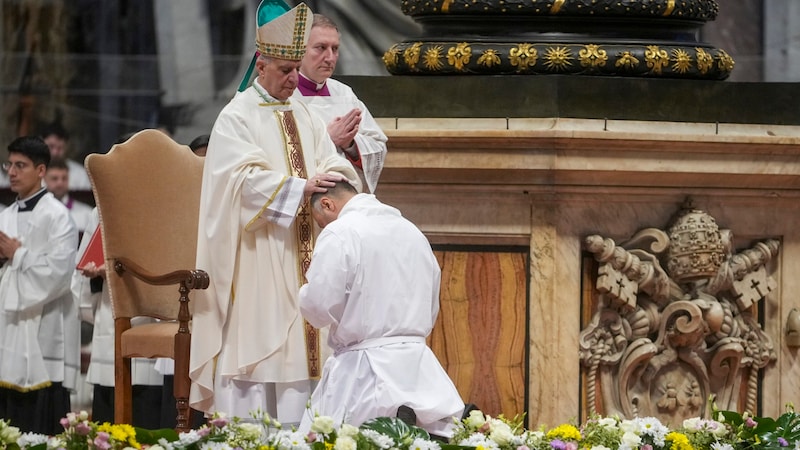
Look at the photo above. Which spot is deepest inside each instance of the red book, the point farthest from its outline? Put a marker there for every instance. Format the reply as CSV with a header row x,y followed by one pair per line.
x,y
94,251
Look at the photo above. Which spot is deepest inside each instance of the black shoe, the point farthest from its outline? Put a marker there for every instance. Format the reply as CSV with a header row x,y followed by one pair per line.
x,y
407,415
469,407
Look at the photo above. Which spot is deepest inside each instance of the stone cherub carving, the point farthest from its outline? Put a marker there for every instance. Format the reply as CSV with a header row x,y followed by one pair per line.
x,y
675,322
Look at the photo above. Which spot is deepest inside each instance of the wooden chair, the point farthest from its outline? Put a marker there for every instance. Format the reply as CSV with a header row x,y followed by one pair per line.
x,y
147,191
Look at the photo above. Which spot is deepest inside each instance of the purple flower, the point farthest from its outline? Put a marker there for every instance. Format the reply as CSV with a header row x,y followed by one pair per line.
x,y
750,422
203,432
102,441
523,447
82,428
647,447
219,422
572,446
64,422
558,444
783,442
311,437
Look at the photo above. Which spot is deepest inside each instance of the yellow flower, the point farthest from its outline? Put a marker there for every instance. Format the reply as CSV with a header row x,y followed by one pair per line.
x,y
565,432
679,441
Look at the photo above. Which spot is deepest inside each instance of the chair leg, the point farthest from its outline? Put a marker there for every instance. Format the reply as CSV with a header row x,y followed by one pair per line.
x,y
182,382
123,391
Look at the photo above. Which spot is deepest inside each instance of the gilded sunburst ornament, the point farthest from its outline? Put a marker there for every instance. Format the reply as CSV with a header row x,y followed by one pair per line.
x,y
704,60
523,56
459,55
681,61
391,56
626,60
593,56
411,54
725,61
557,58
656,58
489,58
433,58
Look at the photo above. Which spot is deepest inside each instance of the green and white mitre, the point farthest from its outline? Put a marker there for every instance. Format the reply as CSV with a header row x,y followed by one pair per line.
x,y
281,32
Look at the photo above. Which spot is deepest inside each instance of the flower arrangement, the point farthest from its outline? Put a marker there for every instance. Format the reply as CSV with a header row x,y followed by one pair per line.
x,y
727,431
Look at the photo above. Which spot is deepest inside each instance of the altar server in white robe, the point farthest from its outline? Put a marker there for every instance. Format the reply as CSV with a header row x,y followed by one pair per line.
x,y
375,281
91,293
353,129
266,155
39,324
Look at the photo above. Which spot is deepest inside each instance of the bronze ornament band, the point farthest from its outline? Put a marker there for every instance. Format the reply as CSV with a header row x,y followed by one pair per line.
x,y
535,58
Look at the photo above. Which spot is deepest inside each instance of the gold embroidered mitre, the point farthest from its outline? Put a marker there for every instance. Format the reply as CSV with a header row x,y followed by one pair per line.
x,y
285,36
281,32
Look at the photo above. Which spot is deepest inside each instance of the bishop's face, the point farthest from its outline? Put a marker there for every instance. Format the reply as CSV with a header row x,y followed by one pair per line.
x,y
278,76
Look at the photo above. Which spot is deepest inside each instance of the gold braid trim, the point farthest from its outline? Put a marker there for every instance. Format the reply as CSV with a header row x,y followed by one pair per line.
x,y
304,229
35,387
266,205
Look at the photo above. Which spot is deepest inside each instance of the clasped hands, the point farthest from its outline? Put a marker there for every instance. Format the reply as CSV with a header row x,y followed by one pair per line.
x,y
8,246
343,129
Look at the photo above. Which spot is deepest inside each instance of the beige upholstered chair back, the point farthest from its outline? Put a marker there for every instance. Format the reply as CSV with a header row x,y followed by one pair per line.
x,y
147,191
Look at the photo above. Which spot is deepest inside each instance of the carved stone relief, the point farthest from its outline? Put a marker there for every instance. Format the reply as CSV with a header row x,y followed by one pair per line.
x,y
676,321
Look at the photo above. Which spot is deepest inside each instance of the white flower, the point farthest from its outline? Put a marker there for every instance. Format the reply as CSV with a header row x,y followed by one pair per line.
x,y
208,445
631,439
155,447
292,440
347,430
536,436
56,442
423,444
165,444
345,443
9,434
653,427
475,420
608,422
248,431
600,447
322,424
188,438
478,440
381,440
717,429
723,446
629,426
31,439
695,423
502,435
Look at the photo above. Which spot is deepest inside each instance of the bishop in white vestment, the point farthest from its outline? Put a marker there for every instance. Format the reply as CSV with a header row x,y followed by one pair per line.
x,y
250,347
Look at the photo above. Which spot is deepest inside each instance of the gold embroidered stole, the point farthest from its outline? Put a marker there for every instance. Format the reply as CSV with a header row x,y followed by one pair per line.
x,y
304,230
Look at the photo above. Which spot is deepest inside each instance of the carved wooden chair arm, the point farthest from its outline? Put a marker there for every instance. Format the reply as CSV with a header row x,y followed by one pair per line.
x,y
193,278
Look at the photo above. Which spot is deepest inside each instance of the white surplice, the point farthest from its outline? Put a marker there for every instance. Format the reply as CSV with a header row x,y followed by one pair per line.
x,y
370,139
95,308
375,281
39,323
78,178
246,326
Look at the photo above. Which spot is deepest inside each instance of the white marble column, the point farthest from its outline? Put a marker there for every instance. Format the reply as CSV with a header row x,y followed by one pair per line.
x,y
184,48
781,40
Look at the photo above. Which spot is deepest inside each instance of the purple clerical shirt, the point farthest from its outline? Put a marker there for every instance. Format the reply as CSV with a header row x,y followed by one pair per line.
x,y
311,89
